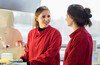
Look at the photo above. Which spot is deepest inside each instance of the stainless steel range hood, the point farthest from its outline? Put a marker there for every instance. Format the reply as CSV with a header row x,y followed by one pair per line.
x,y
20,5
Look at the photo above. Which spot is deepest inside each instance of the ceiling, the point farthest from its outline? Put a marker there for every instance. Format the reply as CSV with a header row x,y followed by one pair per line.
x,y
20,5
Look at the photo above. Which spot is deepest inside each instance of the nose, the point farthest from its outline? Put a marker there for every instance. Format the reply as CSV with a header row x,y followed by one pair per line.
x,y
46,19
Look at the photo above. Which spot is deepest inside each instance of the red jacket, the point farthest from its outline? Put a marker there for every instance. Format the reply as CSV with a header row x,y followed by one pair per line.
x,y
79,49
43,47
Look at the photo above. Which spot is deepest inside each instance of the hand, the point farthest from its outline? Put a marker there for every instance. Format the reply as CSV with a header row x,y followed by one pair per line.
x,y
28,63
20,59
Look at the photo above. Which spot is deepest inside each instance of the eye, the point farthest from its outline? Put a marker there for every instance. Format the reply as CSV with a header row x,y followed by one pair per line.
x,y
48,16
43,16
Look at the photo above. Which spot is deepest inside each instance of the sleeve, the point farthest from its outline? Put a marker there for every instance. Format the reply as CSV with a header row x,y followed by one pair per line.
x,y
52,50
25,57
78,52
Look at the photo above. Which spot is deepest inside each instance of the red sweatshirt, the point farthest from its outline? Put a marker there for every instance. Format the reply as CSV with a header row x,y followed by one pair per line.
x,y
43,47
79,49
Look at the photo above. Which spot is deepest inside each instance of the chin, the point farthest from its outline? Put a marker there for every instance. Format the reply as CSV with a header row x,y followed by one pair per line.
x,y
45,26
69,24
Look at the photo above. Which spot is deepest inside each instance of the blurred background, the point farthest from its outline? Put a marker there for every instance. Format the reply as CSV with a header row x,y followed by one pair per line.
x,y
23,11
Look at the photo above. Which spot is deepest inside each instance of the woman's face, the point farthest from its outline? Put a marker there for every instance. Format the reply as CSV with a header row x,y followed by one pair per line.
x,y
44,19
69,20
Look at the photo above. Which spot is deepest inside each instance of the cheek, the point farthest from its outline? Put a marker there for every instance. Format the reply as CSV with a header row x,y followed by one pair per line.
x,y
40,20
69,22
49,20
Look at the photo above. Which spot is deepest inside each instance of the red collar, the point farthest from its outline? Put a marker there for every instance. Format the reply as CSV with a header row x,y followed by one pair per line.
x,y
76,31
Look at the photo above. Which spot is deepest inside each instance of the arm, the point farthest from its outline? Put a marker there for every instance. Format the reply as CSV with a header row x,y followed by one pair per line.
x,y
25,57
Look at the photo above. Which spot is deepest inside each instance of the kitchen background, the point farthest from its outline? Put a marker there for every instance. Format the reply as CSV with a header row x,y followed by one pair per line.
x,y
23,21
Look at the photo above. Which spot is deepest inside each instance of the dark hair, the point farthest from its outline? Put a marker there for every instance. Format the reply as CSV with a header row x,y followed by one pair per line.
x,y
80,15
38,12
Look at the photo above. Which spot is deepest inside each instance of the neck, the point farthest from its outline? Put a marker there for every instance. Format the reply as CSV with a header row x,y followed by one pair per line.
x,y
41,29
75,27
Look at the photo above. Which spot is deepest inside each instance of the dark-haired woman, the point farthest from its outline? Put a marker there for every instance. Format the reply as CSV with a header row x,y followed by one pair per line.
x,y
79,49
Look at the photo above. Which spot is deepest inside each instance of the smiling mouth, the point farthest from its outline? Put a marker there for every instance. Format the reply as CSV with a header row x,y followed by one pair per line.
x,y
46,23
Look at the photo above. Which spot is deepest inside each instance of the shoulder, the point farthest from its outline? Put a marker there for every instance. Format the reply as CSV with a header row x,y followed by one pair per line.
x,y
54,30
32,31
83,35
